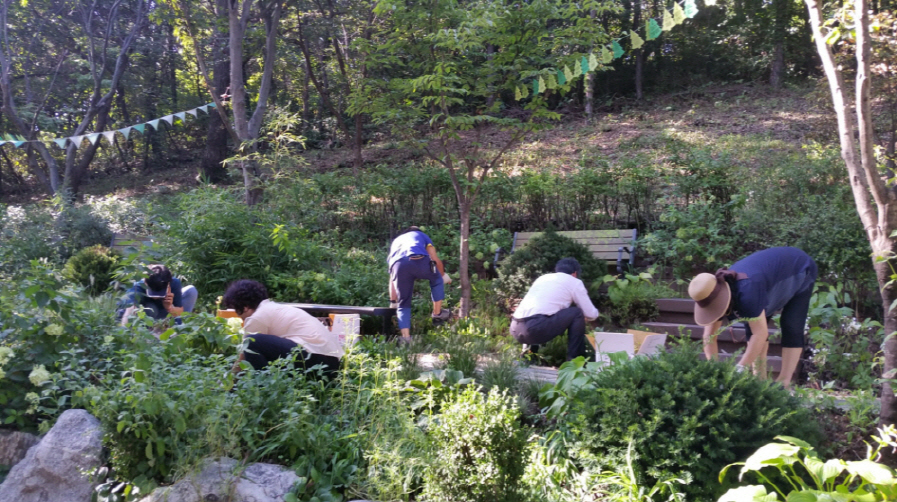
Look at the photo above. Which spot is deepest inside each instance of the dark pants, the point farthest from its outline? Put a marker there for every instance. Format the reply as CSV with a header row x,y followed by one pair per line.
x,y
540,329
267,348
403,273
794,314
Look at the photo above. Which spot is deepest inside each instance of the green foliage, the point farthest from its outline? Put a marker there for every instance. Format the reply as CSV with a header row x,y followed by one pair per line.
x,y
632,299
812,479
539,257
93,268
685,417
479,449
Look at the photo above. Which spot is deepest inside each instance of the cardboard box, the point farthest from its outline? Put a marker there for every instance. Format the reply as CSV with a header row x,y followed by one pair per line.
x,y
347,327
633,343
228,313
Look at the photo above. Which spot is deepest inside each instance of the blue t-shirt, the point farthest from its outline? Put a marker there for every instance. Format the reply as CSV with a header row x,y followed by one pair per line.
x,y
410,243
152,306
775,276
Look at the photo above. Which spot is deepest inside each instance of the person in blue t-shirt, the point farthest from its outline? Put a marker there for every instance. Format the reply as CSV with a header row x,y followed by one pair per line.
x,y
412,256
755,288
159,295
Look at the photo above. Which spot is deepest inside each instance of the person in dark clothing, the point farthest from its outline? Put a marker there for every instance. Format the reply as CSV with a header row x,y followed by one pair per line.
x,y
755,288
159,295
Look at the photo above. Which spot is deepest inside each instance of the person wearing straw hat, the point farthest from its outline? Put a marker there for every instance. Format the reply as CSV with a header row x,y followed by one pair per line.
x,y
754,288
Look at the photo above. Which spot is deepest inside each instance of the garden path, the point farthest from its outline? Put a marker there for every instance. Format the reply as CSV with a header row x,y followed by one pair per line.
x,y
428,362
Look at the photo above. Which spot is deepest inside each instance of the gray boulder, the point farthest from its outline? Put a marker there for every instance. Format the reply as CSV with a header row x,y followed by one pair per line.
x,y
223,480
55,469
14,445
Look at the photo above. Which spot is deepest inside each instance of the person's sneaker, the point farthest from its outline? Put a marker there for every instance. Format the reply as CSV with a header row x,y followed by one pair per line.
x,y
443,315
529,350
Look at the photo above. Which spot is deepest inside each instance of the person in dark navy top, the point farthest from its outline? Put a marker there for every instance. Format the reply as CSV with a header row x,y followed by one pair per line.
x,y
755,288
412,256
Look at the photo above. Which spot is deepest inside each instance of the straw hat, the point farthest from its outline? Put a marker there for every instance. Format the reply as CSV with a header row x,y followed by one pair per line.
x,y
711,296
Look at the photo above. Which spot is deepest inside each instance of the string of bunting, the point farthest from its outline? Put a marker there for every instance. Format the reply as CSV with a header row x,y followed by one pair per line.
x,y
16,141
561,77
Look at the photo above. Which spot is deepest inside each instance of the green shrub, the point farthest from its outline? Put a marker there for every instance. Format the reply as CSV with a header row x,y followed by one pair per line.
x,y
539,257
92,268
632,299
685,417
479,450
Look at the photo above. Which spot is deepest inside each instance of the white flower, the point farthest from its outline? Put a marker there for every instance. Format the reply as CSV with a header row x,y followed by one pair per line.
x,y
108,339
6,354
32,398
39,375
234,323
53,330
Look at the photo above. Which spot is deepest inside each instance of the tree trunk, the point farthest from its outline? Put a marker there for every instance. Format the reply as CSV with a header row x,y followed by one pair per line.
x,y
777,70
216,138
464,258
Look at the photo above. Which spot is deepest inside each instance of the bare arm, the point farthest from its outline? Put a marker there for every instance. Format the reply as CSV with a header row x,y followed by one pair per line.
x,y
711,348
757,344
433,256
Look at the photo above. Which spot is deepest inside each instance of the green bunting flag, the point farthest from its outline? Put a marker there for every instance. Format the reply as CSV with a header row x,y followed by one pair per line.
x,y
577,70
211,105
653,29
593,61
550,83
568,74
139,128
678,14
668,23
606,56
691,10
542,86
584,63
637,41
562,79
535,87
517,95
18,143
618,49
524,91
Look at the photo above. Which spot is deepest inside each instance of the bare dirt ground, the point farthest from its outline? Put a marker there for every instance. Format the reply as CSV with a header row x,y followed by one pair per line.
x,y
791,116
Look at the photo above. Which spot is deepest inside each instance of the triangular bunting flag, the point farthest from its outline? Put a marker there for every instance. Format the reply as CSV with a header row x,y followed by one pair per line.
x,y
678,14
653,29
618,49
593,62
568,74
584,63
110,136
193,112
691,10
60,142
552,83
524,90
182,116
606,56
211,105
21,138
535,87
637,41
542,86
76,140
18,143
93,138
139,128
169,119
3,142
577,70
203,108
562,79
126,132
668,23
517,94
709,2
154,124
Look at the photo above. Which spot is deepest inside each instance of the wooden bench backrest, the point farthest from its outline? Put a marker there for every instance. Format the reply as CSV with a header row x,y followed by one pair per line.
x,y
126,243
604,244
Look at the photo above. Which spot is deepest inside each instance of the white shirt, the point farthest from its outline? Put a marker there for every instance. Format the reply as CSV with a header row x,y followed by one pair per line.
x,y
296,325
554,292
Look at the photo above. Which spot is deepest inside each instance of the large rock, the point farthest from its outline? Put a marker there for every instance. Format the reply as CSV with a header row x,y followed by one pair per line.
x,y
14,445
223,480
55,469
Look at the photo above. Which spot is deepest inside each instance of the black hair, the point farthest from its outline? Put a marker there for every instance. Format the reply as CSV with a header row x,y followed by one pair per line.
x,y
412,228
244,294
159,277
568,266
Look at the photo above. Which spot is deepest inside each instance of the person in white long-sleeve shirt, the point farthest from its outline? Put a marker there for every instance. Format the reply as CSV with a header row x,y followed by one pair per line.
x,y
555,303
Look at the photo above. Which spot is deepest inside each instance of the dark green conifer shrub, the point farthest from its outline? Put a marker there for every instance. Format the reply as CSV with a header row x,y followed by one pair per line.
x,y
93,268
479,449
686,418
538,257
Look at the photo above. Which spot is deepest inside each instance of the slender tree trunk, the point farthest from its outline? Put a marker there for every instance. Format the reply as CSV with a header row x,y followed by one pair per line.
x,y
777,69
589,83
215,151
464,261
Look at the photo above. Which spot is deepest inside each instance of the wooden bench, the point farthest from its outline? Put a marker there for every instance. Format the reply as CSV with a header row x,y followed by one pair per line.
x,y
606,245
128,243
385,313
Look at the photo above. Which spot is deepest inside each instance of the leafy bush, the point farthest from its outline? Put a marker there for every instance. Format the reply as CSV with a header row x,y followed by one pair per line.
x,y
93,268
479,450
539,257
81,228
632,299
685,418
